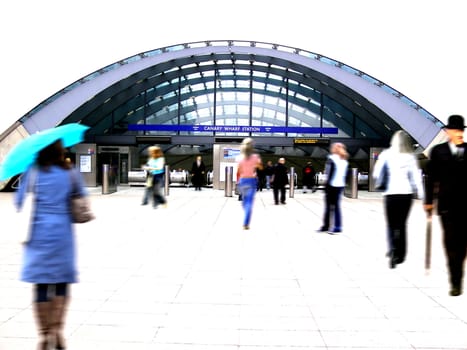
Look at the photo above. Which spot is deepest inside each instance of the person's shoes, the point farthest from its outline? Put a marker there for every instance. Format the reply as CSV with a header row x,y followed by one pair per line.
x,y
276,203
246,227
322,229
313,190
282,202
144,203
455,291
335,230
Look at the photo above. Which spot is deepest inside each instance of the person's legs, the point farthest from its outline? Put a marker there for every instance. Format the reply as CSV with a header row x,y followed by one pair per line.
x,y
248,192
455,248
327,210
59,305
42,311
275,191
147,190
336,202
283,194
404,205
157,189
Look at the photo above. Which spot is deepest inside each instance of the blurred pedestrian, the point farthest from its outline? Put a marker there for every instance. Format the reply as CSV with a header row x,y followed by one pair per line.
x,y
261,176
50,252
404,182
268,171
280,180
198,170
246,173
308,178
336,173
446,176
155,168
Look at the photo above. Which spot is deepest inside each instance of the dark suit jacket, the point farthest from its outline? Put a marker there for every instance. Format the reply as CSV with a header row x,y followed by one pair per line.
x,y
280,175
446,179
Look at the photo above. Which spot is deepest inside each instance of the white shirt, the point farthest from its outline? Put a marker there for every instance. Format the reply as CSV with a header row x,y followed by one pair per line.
x,y
337,179
404,175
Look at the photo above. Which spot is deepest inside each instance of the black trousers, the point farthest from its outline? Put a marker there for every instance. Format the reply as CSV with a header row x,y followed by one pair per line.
x,y
397,208
276,190
455,245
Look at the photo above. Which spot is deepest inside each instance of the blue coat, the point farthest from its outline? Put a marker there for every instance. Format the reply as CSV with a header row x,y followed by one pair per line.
x,y
49,256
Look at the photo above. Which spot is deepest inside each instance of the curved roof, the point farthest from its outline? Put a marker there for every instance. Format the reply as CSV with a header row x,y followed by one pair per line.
x,y
234,83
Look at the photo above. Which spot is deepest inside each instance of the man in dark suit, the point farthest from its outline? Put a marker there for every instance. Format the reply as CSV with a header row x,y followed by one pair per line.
x,y
198,170
446,179
280,180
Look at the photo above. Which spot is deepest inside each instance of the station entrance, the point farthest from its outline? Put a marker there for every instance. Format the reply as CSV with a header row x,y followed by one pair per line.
x,y
180,152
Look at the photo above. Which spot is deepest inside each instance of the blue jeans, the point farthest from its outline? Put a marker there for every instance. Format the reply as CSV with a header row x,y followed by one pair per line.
x,y
247,187
333,206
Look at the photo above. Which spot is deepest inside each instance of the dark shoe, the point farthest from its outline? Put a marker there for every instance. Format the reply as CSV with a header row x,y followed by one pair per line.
x,y
246,227
455,291
144,203
276,203
394,260
322,229
333,231
282,202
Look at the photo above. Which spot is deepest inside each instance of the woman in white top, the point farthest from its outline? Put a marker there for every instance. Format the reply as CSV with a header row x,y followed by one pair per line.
x,y
404,181
336,173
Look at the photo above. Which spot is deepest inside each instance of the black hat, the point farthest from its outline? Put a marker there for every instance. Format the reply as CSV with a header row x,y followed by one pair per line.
x,y
455,122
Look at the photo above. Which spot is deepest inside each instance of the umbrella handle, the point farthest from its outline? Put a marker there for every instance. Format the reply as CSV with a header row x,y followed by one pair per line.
x,y
428,241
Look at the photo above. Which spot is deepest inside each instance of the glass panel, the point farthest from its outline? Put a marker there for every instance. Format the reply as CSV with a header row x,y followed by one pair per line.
x,y
370,79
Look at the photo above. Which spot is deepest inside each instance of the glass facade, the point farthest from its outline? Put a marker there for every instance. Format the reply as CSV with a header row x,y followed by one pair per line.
x,y
233,89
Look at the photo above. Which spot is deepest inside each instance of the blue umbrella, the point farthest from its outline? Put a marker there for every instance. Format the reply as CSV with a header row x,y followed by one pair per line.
x,y
24,153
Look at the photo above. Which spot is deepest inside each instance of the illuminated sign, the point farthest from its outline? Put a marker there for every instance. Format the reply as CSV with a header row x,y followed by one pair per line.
x,y
310,141
232,128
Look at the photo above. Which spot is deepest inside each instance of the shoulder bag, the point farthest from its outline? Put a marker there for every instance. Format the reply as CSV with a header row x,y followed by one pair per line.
x,y
79,204
26,212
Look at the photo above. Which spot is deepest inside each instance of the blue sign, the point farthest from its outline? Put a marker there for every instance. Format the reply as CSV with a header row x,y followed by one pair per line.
x,y
231,128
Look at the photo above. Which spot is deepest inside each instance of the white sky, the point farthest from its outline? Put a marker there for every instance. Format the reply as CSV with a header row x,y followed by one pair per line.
x,y
415,46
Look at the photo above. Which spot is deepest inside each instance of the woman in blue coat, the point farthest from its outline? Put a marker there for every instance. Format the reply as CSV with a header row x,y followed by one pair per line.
x,y
49,260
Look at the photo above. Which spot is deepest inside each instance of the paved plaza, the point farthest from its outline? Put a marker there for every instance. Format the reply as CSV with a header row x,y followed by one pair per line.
x,y
188,277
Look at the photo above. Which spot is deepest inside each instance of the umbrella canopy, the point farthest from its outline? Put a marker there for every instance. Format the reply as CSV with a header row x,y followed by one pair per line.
x,y
25,153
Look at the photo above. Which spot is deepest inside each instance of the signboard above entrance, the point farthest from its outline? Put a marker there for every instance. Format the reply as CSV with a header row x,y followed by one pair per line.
x,y
311,141
232,128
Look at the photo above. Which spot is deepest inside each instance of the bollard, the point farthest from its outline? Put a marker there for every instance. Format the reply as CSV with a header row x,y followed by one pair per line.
x,y
292,182
166,180
109,183
351,189
228,181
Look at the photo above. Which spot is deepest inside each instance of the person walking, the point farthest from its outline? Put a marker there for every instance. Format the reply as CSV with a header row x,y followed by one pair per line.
x,y
336,173
268,171
198,169
246,173
155,169
280,179
49,260
404,182
308,178
446,175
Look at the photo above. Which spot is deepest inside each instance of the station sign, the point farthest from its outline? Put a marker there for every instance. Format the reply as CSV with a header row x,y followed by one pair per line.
x,y
232,128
